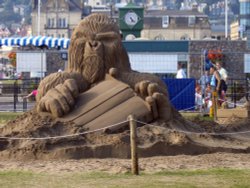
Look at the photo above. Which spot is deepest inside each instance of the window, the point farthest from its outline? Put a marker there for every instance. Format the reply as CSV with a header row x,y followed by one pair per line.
x,y
191,20
59,22
52,22
49,23
165,21
64,22
244,8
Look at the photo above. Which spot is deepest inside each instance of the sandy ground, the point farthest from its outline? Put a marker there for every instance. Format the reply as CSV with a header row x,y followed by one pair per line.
x,y
184,151
147,165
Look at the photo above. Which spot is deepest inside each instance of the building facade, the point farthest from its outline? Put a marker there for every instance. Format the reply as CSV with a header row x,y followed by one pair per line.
x,y
175,25
57,17
244,16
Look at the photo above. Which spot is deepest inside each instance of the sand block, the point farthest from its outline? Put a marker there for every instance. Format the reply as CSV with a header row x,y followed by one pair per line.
x,y
109,102
226,113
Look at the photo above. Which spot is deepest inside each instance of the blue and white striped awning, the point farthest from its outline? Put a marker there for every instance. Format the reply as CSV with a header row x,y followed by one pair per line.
x,y
36,41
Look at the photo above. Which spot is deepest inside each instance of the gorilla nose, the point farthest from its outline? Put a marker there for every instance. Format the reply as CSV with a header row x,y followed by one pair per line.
x,y
93,44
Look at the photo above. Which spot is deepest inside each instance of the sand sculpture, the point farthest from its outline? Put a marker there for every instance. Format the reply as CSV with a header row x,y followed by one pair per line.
x,y
99,85
98,89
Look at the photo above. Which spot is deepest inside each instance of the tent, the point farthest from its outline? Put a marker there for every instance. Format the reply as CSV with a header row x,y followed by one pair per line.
x,y
36,41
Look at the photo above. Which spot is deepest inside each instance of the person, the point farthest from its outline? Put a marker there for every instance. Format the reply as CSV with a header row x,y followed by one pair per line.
x,y
217,84
180,72
224,77
31,94
222,71
203,81
1,88
215,79
208,99
198,97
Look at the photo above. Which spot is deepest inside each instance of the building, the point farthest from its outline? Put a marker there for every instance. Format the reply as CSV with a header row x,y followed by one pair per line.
x,y
234,30
57,17
244,16
175,25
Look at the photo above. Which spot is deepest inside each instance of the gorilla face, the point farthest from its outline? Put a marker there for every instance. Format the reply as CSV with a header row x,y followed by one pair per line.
x,y
95,47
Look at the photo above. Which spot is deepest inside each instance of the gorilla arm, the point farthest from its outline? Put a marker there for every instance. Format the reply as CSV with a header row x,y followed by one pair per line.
x,y
57,92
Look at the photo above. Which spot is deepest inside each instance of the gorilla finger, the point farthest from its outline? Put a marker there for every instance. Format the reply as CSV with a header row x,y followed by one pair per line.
x,y
137,88
56,95
152,104
153,88
113,72
72,86
55,108
163,106
143,87
41,105
66,93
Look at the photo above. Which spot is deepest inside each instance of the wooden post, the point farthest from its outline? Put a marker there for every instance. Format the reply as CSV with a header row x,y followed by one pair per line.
x,y
133,144
215,104
248,109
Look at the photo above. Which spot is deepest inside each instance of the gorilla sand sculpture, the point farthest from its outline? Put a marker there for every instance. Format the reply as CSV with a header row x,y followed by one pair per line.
x,y
97,90
99,85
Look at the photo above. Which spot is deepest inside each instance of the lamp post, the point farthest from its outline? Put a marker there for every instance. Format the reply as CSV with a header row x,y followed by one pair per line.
x,y
38,17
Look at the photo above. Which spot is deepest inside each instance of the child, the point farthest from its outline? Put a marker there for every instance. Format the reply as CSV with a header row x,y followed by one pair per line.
x,y
198,97
208,99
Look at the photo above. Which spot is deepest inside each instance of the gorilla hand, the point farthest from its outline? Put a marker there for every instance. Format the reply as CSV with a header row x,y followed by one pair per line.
x,y
158,102
59,100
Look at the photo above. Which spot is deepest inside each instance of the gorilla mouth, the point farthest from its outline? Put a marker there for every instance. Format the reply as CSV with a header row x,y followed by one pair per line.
x,y
93,69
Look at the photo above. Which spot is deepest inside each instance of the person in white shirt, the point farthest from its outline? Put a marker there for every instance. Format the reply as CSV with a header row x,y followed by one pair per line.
x,y
180,72
224,76
222,71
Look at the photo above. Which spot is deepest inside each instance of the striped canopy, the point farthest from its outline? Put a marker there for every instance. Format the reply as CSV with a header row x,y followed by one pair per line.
x,y
36,41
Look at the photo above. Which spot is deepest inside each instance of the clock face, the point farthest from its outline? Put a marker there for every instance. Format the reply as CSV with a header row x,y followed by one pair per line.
x,y
131,18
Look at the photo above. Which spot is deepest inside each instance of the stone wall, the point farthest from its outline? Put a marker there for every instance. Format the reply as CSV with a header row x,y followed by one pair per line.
x,y
54,61
233,60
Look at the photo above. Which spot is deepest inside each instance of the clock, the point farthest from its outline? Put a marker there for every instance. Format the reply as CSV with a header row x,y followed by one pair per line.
x,y
131,18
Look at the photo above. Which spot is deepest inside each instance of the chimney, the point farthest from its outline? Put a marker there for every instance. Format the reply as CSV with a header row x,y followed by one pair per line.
x,y
195,7
82,4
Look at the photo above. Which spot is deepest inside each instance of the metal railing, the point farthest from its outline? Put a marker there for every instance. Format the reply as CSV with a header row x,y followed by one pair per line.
x,y
12,92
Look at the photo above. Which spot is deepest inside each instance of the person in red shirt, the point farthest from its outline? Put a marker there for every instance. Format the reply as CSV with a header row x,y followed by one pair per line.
x,y
32,93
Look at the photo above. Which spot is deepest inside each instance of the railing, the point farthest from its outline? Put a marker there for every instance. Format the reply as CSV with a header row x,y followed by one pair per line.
x,y
13,91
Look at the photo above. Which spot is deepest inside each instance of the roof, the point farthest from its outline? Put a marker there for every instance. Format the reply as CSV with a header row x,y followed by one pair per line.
x,y
173,13
74,5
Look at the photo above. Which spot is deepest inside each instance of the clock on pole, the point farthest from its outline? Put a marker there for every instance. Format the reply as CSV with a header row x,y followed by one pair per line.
x,y
131,20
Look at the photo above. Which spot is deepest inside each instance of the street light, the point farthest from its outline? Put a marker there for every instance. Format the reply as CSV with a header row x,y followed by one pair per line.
x,y
38,17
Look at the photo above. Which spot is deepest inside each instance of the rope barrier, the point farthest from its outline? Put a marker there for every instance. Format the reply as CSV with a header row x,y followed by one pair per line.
x,y
62,136
237,104
113,125
188,108
205,133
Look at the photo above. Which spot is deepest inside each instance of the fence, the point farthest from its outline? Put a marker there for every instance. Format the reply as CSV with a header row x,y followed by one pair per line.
x,y
13,90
